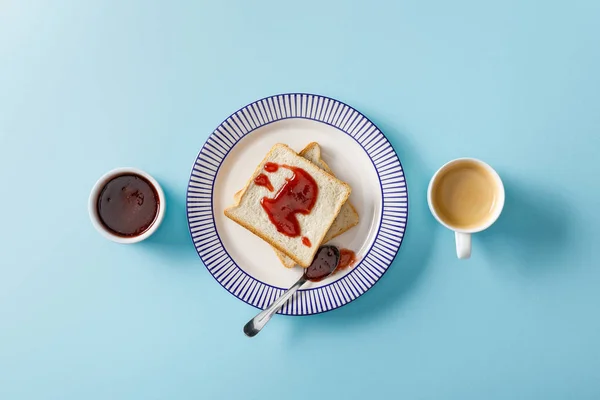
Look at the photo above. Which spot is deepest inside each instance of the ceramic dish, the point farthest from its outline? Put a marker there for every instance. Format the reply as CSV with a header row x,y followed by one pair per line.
x,y
357,152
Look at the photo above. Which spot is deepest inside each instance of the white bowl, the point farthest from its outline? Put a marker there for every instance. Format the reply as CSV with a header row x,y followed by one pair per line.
x,y
93,205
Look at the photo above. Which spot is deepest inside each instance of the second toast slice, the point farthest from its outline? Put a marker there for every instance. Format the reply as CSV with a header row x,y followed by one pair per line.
x,y
346,219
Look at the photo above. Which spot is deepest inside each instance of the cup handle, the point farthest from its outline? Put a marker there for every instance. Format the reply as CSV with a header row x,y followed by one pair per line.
x,y
463,245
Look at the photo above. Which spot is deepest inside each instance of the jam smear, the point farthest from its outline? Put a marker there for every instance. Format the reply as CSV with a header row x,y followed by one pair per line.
x,y
347,259
271,167
306,241
297,196
263,180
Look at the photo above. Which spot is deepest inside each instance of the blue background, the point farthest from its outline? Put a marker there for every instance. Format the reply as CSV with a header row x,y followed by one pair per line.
x,y
87,86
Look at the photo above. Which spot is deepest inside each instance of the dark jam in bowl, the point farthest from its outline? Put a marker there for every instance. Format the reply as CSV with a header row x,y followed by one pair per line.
x,y
128,205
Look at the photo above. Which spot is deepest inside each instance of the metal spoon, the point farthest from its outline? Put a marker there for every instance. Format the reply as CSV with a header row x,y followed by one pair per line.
x,y
324,264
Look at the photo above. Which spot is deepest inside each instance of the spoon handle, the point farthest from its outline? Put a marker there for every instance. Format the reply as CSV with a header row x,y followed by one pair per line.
x,y
257,323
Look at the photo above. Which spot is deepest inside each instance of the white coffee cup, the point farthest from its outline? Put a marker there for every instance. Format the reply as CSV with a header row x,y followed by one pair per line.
x,y
466,195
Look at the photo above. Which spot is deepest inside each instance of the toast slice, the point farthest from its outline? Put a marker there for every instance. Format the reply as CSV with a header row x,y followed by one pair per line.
x,y
249,213
346,219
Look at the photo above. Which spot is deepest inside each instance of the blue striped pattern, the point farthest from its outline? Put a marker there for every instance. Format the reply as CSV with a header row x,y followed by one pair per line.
x,y
317,108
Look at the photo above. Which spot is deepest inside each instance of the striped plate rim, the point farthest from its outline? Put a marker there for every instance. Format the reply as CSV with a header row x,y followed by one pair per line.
x,y
394,211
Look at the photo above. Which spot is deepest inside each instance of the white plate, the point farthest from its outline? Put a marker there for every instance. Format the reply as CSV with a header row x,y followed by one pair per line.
x,y
357,152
